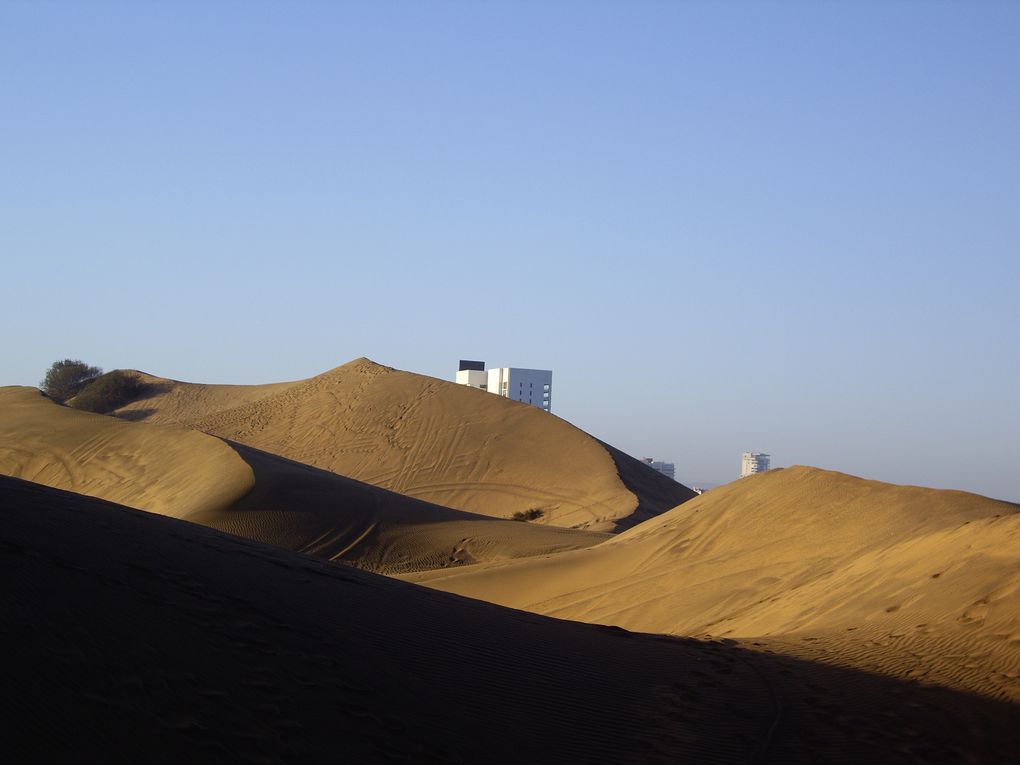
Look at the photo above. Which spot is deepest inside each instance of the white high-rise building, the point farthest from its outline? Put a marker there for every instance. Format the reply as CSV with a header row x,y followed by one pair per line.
x,y
666,468
529,386
754,462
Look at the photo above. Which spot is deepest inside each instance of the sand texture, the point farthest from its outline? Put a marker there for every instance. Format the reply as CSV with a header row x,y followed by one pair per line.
x,y
165,469
172,470
915,582
170,643
426,438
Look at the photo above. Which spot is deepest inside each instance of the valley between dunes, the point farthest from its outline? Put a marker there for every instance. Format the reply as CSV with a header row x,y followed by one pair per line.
x,y
173,590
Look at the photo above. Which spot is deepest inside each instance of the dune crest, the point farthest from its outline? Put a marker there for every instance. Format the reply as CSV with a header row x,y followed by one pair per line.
x,y
426,438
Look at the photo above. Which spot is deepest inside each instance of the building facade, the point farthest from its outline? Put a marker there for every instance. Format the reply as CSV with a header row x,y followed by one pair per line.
x,y
666,468
529,386
754,462
473,373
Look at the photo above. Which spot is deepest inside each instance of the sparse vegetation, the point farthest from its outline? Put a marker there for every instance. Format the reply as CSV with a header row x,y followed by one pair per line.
x,y
528,515
66,378
106,393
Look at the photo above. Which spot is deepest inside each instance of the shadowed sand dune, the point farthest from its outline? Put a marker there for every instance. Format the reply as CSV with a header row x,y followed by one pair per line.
x,y
323,514
915,582
132,637
426,438
186,474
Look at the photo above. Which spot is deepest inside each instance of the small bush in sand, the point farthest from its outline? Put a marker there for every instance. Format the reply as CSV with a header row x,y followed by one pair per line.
x,y
65,378
528,515
106,393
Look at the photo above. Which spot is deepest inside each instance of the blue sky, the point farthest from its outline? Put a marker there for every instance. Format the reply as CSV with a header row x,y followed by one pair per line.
x,y
785,227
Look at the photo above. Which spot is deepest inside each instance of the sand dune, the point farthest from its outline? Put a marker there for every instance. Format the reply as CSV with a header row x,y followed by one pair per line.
x,y
426,438
801,555
174,643
820,584
165,469
175,471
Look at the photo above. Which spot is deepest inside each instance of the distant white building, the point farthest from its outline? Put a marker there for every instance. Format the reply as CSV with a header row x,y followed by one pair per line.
x,y
666,468
473,373
529,386
754,462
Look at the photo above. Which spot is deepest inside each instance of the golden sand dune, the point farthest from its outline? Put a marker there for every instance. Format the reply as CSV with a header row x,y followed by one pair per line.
x,y
172,470
426,438
795,554
132,637
165,469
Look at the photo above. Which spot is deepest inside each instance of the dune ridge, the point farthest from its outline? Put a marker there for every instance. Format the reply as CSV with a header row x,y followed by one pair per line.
x,y
426,438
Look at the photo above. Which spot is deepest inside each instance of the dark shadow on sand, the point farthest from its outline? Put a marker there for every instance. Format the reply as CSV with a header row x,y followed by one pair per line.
x,y
132,637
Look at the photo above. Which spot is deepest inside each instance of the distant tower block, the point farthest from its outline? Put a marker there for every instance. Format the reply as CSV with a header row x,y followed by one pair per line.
x,y
754,462
666,468
529,386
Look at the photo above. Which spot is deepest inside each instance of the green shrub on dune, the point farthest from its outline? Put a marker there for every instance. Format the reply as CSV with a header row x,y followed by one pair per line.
x,y
106,393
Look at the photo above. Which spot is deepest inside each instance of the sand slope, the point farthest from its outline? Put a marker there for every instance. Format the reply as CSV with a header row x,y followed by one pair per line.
x,y
165,469
799,553
132,637
426,438
319,513
183,473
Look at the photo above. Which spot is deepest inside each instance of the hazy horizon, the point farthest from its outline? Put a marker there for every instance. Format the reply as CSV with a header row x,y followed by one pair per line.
x,y
776,227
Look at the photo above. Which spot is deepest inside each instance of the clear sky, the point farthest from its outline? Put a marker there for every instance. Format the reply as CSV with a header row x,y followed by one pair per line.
x,y
780,227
